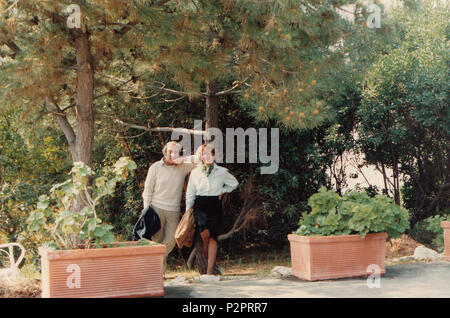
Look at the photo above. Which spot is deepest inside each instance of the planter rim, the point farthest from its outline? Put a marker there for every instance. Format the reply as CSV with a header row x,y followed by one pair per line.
x,y
445,224
52,254
335,238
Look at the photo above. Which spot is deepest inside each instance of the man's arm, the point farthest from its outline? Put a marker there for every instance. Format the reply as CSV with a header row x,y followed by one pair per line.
x,y
188,162
149,186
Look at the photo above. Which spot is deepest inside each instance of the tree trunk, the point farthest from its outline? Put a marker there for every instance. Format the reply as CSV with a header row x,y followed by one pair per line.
x,y
84,143
1,182
197,255
212,113
384,178
396,178
212,120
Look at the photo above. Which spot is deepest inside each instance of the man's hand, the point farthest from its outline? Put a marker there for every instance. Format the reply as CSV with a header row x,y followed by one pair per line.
x,y
220,196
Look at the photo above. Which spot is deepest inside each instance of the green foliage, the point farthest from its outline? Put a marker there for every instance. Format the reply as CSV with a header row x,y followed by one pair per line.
x,y
404,114
433,224
395,76
54,218
28,156
277,53
353,213
145,242
16,201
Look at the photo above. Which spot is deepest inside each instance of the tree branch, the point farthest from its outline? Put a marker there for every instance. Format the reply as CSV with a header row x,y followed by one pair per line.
x,y
63,123
127,28
231,90
13,47
172,91
161,129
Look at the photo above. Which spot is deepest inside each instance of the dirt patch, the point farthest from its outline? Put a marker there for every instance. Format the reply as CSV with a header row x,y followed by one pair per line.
x,y
20,288
403,246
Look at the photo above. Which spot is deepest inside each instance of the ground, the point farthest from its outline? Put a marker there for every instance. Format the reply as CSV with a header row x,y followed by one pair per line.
x,y
247,274
260,263
405,280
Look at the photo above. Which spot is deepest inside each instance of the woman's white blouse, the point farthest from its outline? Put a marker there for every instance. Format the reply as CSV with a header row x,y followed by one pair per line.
x,y
219,181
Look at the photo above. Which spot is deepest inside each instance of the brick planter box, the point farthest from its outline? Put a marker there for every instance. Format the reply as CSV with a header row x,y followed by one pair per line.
x,y
328,257
130,271
446,226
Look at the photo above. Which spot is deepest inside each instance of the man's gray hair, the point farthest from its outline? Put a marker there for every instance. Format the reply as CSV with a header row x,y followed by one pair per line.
x,y
170,143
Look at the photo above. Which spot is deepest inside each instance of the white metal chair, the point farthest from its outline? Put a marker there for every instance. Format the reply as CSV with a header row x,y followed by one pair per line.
x,y
13,270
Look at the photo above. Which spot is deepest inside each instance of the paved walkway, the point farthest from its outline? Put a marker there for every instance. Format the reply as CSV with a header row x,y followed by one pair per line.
x,y
408,280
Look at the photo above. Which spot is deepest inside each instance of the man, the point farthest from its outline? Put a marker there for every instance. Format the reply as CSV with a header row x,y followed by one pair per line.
x,y
164,188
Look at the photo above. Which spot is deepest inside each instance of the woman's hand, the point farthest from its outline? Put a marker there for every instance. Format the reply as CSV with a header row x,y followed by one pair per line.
x,y
179,161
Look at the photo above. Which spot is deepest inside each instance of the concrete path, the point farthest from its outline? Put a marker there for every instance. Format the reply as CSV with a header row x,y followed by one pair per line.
x,y
408,280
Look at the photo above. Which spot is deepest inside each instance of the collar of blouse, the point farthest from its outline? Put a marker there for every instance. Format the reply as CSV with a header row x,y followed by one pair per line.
x,y
208,169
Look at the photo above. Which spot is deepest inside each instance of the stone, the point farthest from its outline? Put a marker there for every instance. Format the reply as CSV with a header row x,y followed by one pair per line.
x,y
179,280
209,278
281,271
407,258
422,252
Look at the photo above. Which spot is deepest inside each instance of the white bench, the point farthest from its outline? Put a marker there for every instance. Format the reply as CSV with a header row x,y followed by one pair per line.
x,y
13,270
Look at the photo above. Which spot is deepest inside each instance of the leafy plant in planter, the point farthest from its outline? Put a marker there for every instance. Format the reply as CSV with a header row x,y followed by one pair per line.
x,y
70,266
344,236
67,229
352,213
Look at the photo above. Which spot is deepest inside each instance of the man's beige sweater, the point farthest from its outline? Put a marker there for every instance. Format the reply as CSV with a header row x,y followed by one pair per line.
x,y
164,185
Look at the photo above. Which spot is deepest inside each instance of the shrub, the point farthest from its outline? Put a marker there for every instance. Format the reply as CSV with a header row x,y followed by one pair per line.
x,y
352,213
433,224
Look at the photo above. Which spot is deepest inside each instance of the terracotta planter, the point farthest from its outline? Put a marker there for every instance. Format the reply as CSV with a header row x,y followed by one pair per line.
x,y
130,271
328,257
446,226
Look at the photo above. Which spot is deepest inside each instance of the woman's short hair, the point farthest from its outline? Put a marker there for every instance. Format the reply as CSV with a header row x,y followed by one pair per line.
x,y
209,146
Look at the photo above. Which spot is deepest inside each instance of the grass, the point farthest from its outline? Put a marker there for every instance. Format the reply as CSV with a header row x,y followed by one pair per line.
x,y
252,262
259,263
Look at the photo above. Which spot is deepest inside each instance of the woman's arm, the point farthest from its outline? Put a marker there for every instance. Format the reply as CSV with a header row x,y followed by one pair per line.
x,y
229,183
190,193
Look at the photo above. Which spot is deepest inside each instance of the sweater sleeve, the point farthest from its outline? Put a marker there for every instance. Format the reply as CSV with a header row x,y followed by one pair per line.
x,y
190,193
190,162
230,182
149,186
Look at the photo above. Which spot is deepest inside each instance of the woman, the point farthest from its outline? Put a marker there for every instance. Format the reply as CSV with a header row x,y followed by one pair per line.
x,y
206,185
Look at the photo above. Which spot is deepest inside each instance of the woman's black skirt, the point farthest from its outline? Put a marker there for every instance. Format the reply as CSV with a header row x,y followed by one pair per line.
x,y
208,214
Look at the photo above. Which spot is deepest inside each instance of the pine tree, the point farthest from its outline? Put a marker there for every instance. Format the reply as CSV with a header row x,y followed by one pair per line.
x,y
277,57
61,65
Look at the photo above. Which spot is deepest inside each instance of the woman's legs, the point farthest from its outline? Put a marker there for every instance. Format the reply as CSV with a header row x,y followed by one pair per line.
x,y
205,235
209,249
212,252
